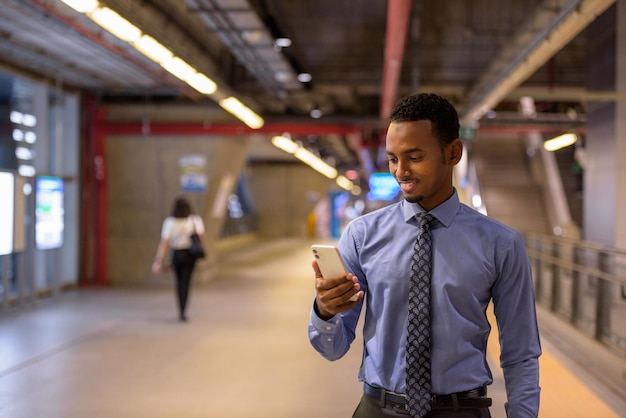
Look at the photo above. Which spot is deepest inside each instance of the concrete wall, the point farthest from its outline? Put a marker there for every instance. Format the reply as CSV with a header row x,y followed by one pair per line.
x,y
143,181
284,195
143,175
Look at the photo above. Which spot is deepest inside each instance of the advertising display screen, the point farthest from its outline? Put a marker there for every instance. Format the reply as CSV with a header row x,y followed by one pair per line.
x,y
383,186
7,207
49,212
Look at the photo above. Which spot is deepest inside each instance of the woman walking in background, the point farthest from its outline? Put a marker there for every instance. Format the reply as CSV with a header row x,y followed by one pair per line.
x,y
176,235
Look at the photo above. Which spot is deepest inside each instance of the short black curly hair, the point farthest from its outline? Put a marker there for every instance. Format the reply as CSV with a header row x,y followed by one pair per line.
x,y
429,106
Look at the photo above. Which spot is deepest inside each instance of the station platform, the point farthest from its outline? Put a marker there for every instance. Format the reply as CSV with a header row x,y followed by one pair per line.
x,y
121,352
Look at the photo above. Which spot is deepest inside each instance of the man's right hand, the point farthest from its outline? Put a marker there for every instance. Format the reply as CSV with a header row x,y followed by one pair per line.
x,y
334,293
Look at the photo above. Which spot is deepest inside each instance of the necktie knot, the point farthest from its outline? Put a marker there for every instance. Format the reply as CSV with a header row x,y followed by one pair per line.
x,y
424,219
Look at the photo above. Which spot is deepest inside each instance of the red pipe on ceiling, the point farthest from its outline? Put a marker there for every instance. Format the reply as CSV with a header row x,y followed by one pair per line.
x,y
398,15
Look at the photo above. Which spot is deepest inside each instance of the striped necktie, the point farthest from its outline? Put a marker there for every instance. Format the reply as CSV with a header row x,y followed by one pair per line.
x,y
418,333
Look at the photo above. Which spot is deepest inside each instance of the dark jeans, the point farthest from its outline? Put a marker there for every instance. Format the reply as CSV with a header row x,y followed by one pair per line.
x,y
371,408
183,264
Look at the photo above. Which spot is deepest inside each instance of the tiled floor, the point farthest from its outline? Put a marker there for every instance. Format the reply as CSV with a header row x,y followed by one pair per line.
x,y
121,352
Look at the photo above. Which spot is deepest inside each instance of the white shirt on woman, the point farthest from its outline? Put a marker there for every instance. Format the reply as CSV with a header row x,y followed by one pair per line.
x,y
178,230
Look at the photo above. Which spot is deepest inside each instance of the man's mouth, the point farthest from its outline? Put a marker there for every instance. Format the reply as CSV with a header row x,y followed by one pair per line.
x,y
407,186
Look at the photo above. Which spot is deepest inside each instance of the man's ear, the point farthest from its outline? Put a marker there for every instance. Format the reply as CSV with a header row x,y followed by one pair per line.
x,y
455,151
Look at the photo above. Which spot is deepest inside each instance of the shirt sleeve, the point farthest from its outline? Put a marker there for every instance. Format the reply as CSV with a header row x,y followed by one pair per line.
x,y
520,348
166,229
522,389
332,338
197,220
328,337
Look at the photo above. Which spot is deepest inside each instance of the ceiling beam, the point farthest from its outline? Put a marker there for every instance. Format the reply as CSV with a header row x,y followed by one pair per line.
x,y
534,44
573,94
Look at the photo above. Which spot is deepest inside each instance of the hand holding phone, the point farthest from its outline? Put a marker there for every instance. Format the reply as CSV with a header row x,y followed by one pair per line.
x,y
330,263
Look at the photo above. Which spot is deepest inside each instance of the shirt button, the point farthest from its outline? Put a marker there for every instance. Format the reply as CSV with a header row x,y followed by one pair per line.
x,y
329,339
328,328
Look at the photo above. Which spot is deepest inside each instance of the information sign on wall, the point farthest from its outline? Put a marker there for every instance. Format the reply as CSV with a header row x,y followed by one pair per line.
x,y
49,212
193,177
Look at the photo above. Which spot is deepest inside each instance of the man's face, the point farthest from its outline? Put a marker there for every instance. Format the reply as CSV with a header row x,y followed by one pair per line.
x,y
420,165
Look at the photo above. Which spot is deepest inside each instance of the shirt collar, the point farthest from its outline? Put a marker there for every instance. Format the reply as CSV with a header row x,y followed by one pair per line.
x,y
444,212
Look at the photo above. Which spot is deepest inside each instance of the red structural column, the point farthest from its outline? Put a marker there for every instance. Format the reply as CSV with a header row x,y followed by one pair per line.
x,y
86,192
94,197
101,208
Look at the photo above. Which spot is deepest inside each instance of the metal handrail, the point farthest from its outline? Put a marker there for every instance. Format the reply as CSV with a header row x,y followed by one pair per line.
x,y
590,271
577,242
560,267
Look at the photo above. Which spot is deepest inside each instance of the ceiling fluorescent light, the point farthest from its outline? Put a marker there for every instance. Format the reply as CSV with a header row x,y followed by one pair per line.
x,y
179,68
560,141
316,113
304,77
115,24
152,49
242,112
146,44
158,53
283,42
202,83
82,6
344,183
285,144
310,159
315,162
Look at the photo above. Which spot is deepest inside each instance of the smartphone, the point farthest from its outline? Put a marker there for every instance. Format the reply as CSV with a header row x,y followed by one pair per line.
x,y
330,262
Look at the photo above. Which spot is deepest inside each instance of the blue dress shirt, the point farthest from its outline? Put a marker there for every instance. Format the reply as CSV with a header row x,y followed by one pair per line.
x,y
475,260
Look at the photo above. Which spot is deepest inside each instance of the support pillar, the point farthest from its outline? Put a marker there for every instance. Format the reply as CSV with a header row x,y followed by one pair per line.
x,y
605,176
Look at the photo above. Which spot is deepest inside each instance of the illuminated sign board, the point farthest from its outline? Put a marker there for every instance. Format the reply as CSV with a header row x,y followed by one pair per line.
x,y
383,186
49,212
7,207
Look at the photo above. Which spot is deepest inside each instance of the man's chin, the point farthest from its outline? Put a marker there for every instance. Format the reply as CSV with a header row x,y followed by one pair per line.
x,y
413,198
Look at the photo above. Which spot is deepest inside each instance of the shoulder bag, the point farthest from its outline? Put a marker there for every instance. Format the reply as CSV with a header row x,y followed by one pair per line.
x,y
196,250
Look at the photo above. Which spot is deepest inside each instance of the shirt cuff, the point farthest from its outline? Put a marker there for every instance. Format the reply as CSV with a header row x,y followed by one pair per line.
x,y
324,327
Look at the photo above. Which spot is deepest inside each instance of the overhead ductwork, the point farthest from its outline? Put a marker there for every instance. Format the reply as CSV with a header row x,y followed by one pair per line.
x,y
242,31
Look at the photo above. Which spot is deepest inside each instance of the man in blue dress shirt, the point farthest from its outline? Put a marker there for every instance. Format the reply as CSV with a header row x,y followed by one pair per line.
x,y
475,261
